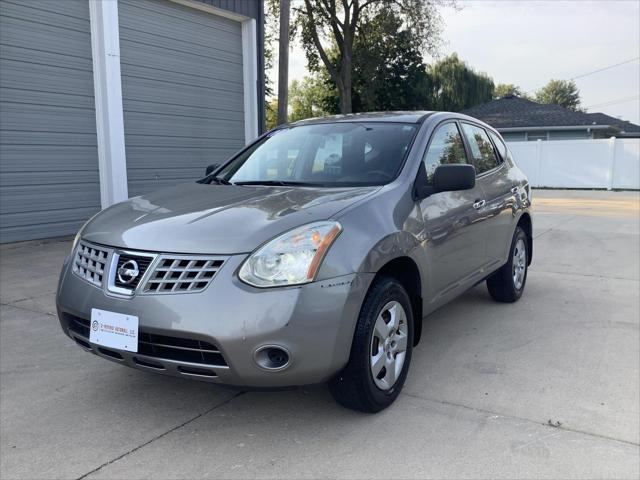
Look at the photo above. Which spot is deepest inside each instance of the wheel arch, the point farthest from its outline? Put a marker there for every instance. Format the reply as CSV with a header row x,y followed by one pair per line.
x,y
525,223
405,270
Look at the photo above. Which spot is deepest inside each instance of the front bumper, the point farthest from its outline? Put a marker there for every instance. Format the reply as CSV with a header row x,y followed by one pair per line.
x,y
314,323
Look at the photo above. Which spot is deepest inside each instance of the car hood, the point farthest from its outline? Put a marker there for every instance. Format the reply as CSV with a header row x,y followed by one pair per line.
x,y
215,219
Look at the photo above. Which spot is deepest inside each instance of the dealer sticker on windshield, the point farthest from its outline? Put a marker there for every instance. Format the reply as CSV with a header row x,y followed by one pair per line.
x,y
114,330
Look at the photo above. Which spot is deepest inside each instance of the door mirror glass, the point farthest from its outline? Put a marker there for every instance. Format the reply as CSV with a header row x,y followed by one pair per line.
x,y
450,178
211,168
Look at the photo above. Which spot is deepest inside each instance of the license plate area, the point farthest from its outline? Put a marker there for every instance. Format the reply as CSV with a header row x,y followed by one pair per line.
x,y
114,330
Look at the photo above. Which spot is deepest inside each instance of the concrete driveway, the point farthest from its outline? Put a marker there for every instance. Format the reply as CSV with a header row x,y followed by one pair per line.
x,y
545,388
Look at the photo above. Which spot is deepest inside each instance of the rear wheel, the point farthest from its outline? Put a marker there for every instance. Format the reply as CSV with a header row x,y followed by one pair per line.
x,y
381,350
507,284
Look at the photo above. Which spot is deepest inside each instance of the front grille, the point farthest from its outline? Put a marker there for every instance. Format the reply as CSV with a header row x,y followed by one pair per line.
x,y
162,346
179,349
89,263
182,274
142,263
78,325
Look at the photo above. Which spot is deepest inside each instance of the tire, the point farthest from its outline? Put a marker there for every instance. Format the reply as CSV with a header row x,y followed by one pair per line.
x,y
504,286
386,311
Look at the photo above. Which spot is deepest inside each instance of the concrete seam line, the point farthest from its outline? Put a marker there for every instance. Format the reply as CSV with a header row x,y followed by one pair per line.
x,y
19,307
135,449
588,275
514,417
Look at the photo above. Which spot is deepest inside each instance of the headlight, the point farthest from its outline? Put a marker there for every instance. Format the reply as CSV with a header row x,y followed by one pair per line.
x,y
292,258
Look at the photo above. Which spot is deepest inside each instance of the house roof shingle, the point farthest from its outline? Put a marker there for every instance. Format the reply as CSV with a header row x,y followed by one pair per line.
x,y
514,112
623,125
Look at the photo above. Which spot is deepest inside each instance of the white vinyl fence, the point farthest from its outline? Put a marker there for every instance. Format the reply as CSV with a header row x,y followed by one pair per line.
x,y
604,163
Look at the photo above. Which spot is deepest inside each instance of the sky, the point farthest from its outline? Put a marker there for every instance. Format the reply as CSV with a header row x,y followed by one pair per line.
x,y
528,42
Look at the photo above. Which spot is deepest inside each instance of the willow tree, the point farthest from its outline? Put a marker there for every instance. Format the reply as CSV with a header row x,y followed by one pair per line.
x,y
455,86
327,24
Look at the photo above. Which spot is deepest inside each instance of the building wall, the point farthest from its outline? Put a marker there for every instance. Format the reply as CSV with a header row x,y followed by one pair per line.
x,y
49,180
57,149
533,135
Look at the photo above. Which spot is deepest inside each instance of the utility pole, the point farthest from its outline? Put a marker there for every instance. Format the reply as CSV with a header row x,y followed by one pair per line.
x,y
283,62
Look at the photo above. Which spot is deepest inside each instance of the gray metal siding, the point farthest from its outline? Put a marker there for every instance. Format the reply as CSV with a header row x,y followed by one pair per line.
x,y
182,89
513,136
49,181
569,134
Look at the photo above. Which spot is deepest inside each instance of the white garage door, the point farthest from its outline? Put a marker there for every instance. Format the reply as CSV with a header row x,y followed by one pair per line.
x,y
182,89
49,182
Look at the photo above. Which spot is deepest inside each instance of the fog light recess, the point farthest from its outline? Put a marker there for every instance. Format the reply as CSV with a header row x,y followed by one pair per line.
x,y
272,357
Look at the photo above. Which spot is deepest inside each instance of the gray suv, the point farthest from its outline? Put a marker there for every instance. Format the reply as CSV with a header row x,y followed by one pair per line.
x,y
312,255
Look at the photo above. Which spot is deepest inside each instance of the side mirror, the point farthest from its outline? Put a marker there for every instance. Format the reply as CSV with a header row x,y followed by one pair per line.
x,y
449,178
446,178
211,168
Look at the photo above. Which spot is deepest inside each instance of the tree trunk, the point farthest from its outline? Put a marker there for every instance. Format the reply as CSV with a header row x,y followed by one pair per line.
x,y
283,62
345,77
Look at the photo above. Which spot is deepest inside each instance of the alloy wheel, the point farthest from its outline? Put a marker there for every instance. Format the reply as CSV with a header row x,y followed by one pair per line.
x,y
389,345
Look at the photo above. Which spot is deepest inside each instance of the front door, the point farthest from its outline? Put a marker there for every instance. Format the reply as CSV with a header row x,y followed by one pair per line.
x,y
455,235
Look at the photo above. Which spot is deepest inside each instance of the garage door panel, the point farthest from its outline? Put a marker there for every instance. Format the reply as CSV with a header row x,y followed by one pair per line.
x,y
71,42
23,199
50,219
60,61
39,158
73,9
19,96
182,87
181,157
195,68
172,85
43,118
177,15
156,108
46,78
146,142
49,180
37,179
66,139
176,38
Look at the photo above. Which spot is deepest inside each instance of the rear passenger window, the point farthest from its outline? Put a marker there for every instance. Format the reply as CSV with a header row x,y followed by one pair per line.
x,y
446,147
502,148
481,148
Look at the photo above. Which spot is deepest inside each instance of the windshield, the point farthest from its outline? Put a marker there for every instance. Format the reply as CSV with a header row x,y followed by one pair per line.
x,y
335,154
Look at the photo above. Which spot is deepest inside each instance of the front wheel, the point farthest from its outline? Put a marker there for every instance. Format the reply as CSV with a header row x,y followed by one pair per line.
x,y
507,284
381,350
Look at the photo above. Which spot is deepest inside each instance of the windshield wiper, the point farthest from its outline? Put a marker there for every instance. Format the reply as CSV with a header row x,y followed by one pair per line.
x,y
280,183
219,181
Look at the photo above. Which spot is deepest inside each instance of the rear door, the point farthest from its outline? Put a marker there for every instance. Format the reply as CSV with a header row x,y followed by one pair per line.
x,y
455,245
498,191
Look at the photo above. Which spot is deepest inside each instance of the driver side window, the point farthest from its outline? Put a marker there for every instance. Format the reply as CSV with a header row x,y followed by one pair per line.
x,y
446,147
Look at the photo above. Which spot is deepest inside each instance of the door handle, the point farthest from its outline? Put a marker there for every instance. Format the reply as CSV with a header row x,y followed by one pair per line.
x,y
479,204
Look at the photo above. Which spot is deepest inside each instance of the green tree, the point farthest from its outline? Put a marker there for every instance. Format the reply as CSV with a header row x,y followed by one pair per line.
x,y
507,89
336,23
389,73
560,92
306,98
454,86
271,113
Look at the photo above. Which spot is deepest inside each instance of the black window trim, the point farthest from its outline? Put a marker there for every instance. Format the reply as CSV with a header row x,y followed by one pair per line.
x,y
470,154
433,133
